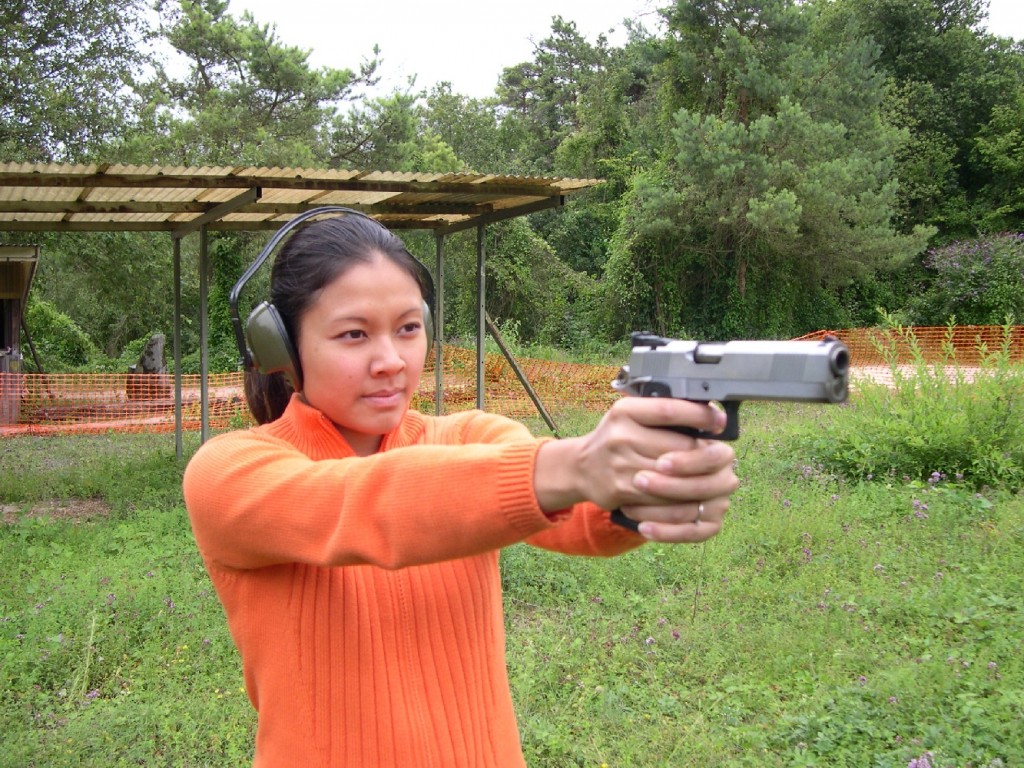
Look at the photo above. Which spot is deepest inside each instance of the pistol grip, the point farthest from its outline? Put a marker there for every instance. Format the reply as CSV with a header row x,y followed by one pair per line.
x,y
731,432
628,523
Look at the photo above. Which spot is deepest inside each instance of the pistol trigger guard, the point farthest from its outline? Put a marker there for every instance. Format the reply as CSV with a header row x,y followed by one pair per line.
x,y
732,425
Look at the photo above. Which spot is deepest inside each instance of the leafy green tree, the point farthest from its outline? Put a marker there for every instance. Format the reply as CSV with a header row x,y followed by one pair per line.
x,y
926,162
528,286
389,133
778,188
245,97
947,76
67,76
116,285
469,126
540,97
999,147
605,134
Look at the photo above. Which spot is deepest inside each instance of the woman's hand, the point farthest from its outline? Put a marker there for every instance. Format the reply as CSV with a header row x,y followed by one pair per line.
x,y
654,475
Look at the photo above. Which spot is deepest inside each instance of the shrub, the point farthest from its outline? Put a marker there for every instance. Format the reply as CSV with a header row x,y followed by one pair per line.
x,y
979,281
58,340
936,421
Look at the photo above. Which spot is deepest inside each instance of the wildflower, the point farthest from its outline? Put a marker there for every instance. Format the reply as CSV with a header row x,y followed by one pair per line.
x,y
787,503
924,761
920,509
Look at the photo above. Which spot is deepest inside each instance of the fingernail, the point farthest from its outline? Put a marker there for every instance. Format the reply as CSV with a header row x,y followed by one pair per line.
x,y
641,481
663,465
645,530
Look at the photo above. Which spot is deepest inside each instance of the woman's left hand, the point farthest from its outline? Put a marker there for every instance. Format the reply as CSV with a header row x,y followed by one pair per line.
x,y
707,474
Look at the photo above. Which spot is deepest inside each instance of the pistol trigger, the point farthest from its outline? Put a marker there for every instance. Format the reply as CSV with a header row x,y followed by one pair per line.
x,y
732,421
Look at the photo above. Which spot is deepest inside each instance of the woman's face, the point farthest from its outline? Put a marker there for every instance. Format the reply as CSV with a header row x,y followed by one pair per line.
x,y
362,345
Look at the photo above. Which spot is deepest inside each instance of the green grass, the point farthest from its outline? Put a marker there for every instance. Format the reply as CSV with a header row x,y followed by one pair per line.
x,y
833,622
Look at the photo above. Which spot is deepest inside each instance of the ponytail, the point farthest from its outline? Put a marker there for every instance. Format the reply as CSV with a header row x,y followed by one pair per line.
x,y
267,395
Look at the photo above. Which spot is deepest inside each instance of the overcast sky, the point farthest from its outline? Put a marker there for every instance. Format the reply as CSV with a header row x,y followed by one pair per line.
x,y
468,43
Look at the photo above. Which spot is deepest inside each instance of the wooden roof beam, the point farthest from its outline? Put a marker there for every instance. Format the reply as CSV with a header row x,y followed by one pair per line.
x,y
193,181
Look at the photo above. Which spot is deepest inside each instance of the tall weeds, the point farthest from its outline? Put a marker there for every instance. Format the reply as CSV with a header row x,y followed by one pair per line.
x,y
936,419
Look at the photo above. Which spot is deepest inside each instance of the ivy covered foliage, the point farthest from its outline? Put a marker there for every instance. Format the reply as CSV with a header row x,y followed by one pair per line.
x,y
770,167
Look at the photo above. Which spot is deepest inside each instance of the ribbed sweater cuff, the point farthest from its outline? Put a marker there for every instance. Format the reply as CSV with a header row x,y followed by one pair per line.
x,y
515,486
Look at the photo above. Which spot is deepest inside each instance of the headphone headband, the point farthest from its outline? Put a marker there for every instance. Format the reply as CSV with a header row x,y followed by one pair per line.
x,y
276,351
268,249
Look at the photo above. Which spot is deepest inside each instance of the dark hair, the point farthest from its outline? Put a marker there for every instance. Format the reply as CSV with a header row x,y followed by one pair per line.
x,y
309,260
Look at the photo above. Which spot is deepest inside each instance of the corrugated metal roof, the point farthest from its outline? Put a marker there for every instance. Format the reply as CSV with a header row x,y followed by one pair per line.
x,y
111,197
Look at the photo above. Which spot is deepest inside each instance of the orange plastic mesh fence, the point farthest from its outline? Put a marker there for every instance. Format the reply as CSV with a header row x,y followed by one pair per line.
x,y
969,343
62,403
42,404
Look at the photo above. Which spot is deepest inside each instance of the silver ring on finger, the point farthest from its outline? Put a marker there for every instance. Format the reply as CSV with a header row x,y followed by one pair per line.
x,y
700,513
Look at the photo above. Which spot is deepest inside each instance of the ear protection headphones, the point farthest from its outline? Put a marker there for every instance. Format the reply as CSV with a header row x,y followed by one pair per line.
x,y
266,345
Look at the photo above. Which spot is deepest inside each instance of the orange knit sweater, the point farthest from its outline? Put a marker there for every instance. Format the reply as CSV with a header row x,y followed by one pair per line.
x,y
364,594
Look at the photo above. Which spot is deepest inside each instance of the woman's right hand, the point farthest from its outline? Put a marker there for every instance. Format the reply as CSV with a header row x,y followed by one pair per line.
x,y
630,461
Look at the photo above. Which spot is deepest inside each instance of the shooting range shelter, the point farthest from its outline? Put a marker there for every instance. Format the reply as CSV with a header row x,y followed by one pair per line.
x,y
17,266
186,200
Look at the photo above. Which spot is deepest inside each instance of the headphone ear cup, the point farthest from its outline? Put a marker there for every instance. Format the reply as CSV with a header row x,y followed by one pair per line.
x,y
270,346
428,326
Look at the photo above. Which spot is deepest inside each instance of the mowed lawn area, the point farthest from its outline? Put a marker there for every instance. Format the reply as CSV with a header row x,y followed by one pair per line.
x,y
837,620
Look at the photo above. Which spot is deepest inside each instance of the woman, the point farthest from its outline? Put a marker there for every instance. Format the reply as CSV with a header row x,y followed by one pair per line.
x,y
354,542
